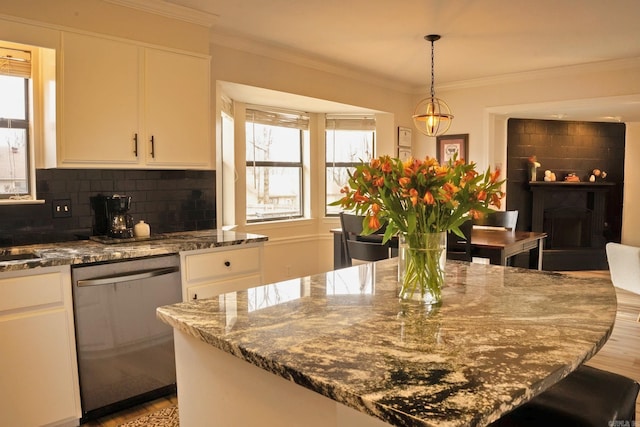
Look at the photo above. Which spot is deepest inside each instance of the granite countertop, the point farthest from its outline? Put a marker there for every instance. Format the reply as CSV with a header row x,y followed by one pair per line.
x,y
88,251
501,336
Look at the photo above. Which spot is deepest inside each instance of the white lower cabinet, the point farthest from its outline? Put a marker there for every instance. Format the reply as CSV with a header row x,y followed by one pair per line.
x,y
38,365
210,272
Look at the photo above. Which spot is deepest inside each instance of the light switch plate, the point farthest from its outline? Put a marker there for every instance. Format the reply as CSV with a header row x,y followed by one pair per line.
x,y
61,208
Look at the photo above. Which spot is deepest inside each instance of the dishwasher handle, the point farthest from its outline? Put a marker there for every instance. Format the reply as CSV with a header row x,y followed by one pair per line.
x,y
134,275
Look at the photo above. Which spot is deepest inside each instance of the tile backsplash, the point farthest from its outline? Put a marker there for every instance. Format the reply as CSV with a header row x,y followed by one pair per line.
x,y
169,200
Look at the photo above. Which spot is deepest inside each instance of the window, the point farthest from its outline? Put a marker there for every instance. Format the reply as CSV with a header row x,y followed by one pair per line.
x,y
15,69
274,164
349,140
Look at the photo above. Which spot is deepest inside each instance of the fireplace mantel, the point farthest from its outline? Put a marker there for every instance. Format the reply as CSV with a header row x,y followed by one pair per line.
x,y
573,216
580,186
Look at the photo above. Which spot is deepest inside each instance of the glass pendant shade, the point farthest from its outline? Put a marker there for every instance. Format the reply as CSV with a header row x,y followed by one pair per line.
x,y
432,117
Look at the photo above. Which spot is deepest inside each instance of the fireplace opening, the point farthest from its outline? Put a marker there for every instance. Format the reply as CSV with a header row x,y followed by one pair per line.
x,y
567,227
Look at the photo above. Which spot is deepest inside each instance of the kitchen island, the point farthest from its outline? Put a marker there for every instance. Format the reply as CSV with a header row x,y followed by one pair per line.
x,y
340,349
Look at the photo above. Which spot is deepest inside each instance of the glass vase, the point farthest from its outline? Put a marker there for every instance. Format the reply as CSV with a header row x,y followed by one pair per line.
x,y
421,262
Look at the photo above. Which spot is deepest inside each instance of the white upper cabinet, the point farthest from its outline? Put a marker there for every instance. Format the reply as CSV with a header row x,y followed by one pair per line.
x,y
100,101
177,109
128,106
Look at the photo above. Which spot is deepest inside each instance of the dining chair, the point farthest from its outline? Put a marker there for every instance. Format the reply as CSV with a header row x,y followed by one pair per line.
x,y
358,247
459,248
624,266
502,219
587,397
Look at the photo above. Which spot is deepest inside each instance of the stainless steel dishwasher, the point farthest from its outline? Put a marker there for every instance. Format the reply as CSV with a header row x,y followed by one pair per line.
x,y
125,354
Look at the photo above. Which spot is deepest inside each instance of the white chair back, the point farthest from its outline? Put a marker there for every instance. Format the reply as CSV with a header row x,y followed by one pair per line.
x,y
624,266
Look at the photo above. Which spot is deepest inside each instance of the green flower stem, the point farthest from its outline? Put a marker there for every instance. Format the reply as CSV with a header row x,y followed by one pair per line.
x,y
423,273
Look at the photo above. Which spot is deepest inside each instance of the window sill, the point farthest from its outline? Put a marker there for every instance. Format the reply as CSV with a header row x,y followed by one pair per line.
x,y
21,202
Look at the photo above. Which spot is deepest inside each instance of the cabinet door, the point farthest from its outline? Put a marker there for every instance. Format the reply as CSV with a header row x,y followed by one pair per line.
x,y
38,367
100,102
177,110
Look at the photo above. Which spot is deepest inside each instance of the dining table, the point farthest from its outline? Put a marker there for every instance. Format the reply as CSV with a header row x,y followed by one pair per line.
x,y
497,245
340,349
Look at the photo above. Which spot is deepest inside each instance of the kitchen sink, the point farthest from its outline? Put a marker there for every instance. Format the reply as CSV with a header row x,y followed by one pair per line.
x,y
18,257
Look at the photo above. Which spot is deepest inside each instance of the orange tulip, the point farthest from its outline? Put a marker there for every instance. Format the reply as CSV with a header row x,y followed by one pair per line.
x,y
495,199
359,198
450,188
404,181
430,162
413,194
495,175
374,222
428,198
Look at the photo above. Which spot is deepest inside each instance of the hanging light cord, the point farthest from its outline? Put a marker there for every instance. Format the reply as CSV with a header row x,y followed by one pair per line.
x,y
432,73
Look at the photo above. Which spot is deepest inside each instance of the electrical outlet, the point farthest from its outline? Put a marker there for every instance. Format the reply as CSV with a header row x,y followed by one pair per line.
x,y
61,208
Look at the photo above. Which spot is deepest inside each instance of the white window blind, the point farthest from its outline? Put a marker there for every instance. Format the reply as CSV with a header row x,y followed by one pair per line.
x,y
14,62
276,118
350,122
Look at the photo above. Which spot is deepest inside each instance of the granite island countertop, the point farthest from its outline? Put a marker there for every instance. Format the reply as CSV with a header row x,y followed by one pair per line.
x,y
89,251
501,336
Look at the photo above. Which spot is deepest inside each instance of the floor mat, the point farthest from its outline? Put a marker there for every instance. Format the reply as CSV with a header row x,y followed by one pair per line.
x,y
167,417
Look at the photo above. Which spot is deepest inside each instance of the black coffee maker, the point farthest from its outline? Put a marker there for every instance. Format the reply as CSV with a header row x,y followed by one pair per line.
x,y
112,216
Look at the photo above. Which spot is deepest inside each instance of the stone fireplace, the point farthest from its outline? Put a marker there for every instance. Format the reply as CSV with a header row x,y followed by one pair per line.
x,y
573,216
579,217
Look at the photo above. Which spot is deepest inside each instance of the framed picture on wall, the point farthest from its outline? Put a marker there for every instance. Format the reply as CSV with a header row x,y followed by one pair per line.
x,y
448,145
404,153
404,143
404,137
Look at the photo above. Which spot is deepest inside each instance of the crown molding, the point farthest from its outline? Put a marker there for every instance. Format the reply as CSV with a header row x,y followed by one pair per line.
x,y
282,53
569,70
170,10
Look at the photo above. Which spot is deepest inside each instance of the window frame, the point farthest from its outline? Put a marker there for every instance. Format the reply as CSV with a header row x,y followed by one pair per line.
x,y
299,165
11,123
333,164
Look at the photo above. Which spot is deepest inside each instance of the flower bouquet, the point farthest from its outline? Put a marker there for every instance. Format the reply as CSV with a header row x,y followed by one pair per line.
x,y
420,201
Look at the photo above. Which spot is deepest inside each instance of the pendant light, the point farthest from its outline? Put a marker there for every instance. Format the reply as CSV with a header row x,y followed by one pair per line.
x,y
432,116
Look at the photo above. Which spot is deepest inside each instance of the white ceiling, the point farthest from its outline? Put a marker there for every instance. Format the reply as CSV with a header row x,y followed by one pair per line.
x,y
480,38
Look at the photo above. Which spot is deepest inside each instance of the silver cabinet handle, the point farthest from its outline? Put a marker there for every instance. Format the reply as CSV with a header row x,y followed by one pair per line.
x,y
135,275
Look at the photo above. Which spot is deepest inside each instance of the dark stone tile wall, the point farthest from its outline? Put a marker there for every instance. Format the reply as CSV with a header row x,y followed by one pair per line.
x,y
169,200
565,147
